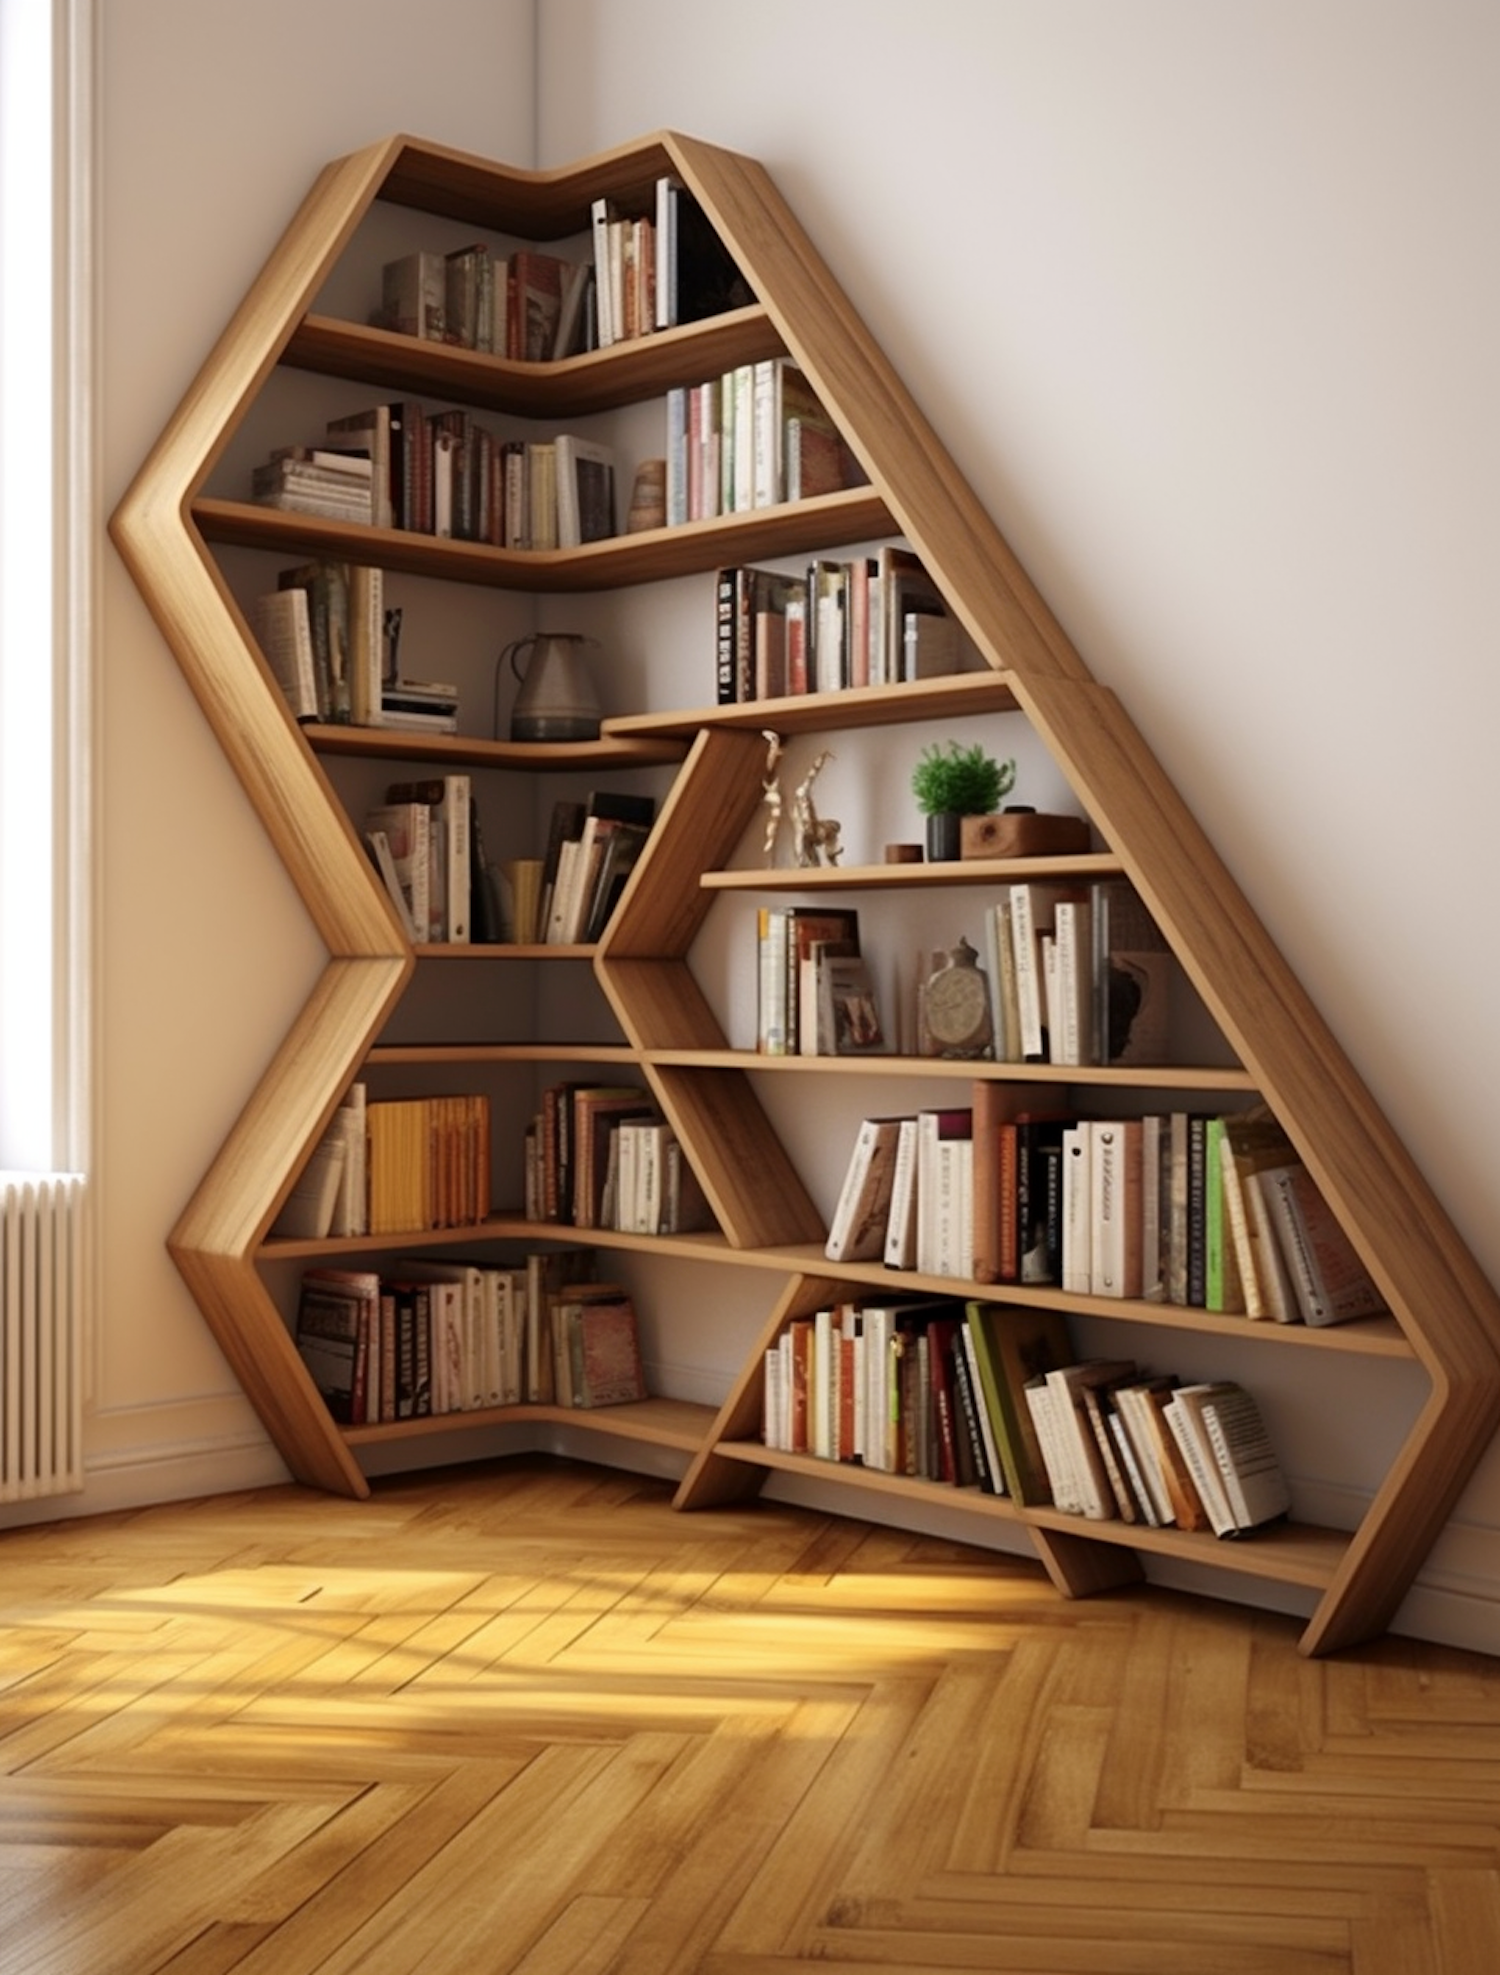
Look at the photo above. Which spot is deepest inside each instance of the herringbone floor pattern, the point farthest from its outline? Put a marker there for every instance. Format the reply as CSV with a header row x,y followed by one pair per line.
x,y
524,1718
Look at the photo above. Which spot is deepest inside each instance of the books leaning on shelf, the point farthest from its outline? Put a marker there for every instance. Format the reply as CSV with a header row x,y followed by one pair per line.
x,y
596,1346
423,848
283,630
857,1232
447,473
343,606
1097,1438
592,847
449,804
330,1196
875,620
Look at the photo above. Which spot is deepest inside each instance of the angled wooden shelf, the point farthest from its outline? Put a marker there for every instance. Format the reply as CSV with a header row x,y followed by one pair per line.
x,y
1445,1314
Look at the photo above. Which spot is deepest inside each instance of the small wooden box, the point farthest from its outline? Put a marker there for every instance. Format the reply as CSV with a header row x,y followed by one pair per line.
x,y
1022,833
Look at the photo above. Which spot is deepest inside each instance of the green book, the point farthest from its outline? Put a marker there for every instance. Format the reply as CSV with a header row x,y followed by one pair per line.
x,y
1013,1344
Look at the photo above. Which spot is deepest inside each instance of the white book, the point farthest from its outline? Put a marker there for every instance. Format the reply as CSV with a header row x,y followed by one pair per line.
x,y
1115,1206
1042,1403
981,1410
599,221
875,1365
824,1393
565,888
1089,1480
861,1216
772,1029
1027,958
901,1221
351,1212
307,1211
407,828
773,1400
1077,1234
283,630
1253,1477
1073,1038
1187,1430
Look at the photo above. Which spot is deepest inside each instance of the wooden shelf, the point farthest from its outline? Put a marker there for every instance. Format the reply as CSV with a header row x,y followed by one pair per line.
x,y
970,871
672,1423
485,950
650,556
1288,1553
608,754
962,695
598,381
1113,1076
1445,1315
433,1054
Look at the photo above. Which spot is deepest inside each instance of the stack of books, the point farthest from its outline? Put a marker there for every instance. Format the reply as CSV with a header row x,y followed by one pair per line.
x,y
317,480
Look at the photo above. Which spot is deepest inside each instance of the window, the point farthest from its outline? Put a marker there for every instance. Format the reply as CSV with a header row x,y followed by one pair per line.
x,y
45,469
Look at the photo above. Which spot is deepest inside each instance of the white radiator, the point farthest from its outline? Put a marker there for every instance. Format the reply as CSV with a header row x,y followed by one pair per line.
x,y
41,1335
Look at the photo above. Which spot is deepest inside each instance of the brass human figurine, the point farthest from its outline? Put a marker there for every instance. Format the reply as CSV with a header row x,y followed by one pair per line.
x,y
772,797
817,836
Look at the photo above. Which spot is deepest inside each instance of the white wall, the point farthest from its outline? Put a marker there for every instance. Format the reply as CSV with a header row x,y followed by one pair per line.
x,y
217,117
1204,303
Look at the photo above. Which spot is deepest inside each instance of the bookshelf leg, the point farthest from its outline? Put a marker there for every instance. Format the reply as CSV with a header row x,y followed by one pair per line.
x,y
1080,1567
714,1481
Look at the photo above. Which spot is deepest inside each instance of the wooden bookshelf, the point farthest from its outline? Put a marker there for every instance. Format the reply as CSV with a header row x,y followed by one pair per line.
x,y
1445,1316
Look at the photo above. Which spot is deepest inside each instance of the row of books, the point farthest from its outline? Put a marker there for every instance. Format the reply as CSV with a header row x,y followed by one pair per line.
x,y
393,1166
431,1337
752,437
815,993
397,465
650,269
870,621
990,1396
530,305
602,1156
1199,1209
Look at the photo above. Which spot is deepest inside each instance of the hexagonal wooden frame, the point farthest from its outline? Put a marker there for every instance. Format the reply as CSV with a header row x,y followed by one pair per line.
x,y
1445,1308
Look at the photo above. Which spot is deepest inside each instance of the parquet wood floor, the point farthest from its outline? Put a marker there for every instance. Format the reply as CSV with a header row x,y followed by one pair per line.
x,y
524,1720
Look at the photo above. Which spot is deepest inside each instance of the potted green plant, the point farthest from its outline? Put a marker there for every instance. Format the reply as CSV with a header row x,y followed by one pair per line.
x,y
953,781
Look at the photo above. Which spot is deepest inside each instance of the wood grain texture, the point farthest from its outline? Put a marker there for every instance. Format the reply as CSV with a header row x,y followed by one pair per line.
x,y
524,1719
